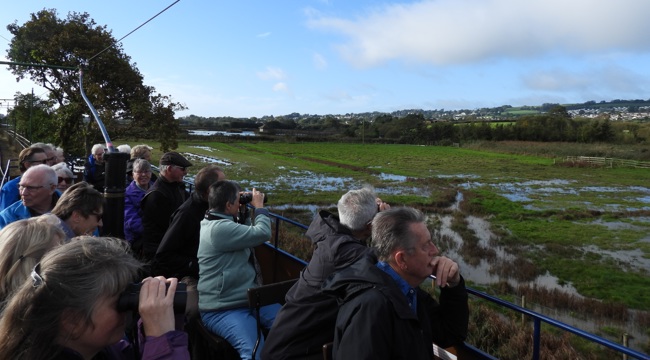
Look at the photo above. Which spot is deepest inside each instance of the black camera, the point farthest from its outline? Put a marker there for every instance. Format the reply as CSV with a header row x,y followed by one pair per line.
x,y
130,298
247,197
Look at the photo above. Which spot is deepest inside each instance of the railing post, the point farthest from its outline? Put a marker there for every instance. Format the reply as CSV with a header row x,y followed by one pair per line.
x,y
523,305
626,342
536,336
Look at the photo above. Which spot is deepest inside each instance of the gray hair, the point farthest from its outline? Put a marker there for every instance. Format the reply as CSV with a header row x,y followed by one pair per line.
x,y
62,168
141,165
47,173
125,148
391,230
357,208
44,146
96,147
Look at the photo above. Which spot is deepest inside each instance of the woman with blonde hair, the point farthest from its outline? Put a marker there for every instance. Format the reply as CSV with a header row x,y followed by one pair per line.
x,y
22,245
68,308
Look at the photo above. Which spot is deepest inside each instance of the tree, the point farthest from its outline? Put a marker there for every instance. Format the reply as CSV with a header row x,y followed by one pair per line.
x,y
33,117
113,85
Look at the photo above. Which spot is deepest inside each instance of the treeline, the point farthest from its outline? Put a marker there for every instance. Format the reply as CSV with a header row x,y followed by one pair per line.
x,y
555,125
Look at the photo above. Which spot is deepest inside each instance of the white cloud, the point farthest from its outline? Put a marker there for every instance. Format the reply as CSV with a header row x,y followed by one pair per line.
x,y
264,35
611,78
320,62
281,87
272,73
444,32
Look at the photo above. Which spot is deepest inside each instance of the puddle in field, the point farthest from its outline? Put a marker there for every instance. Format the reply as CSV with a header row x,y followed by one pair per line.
x,y
222,133
206,159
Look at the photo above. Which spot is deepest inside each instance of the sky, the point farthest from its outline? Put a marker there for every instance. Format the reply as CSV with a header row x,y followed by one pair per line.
x,y
260,57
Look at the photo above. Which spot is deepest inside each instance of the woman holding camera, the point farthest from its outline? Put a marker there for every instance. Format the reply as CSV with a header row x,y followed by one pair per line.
x,y
67,309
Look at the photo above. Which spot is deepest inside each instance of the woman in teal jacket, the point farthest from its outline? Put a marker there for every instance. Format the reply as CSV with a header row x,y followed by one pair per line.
x,y
227,266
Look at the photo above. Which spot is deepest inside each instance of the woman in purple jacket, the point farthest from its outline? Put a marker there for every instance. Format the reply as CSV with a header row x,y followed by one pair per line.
x,y
132,196
68,309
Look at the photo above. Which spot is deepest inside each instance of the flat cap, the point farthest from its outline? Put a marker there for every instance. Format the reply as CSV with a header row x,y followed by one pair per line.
x,y
174,158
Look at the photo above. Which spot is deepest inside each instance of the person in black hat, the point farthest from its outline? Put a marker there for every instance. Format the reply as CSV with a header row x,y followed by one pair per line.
x,y
158,204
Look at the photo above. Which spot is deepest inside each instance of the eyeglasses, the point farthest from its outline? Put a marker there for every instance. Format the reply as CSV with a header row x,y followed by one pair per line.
x,y
181,168
98,216
67,180
29,188
44,161
49,159
142,172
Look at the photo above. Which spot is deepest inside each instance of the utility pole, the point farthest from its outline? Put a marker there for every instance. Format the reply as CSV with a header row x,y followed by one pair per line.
x,y
31,105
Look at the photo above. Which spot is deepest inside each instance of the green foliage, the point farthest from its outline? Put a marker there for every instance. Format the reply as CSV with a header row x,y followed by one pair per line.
x,y
113,85
32,116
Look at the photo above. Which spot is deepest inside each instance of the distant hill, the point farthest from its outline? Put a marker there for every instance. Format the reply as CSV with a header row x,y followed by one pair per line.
x,y
587,109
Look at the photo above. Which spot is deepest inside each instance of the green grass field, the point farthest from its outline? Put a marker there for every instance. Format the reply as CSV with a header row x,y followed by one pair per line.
x,y
550,228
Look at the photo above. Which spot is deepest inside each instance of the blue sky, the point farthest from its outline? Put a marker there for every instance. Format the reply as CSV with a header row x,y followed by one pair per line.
x,y
256,58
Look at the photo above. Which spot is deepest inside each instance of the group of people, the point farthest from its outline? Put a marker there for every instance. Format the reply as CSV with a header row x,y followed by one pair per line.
x,y
360,290
59,286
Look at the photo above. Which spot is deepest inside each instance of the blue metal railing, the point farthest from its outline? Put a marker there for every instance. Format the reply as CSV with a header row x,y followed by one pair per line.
x,y
536,317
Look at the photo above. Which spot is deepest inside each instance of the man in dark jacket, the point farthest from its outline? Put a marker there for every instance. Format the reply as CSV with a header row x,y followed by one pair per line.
x,y
162,199
307,319
383,313
176,255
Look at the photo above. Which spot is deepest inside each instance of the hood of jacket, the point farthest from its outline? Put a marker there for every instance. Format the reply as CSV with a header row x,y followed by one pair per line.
x,y
326,224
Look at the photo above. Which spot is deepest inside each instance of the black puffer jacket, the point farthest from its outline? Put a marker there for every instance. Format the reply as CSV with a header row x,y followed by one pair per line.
x,y
158,205
306,321
375,321
176,255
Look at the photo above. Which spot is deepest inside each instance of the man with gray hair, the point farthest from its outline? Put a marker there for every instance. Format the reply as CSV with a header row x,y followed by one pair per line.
x,y
38,195
383,312
306,321
94,169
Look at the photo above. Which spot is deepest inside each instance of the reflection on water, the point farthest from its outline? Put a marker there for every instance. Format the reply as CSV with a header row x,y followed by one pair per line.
x,y
486,272
391,177
222,133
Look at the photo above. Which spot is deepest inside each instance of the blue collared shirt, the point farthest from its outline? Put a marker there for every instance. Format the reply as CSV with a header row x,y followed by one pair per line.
x,y
406,289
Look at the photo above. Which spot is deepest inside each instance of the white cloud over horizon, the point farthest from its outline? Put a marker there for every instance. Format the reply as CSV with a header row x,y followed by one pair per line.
x,y
449,32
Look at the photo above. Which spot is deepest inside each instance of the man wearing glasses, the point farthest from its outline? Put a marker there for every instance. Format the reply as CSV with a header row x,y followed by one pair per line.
x,y
158,204
38,195
27,158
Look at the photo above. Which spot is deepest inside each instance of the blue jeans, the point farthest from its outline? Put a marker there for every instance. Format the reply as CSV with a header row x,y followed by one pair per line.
x,y
239,327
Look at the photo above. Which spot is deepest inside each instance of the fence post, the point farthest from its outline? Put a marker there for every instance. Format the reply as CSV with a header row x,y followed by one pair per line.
x,y
523,305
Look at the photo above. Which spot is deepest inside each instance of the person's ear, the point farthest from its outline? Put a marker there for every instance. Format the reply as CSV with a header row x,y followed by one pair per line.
x,y
75,216
400,259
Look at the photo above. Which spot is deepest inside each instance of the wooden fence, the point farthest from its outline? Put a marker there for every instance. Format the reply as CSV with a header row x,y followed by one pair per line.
x,y
608,162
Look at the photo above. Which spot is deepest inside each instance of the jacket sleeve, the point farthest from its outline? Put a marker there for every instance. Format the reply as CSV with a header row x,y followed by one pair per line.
x,y
170,346
363,331
132,218
450,318
232,236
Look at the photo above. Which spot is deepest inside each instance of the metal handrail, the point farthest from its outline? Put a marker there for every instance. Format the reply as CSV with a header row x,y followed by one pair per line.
x,y
537,317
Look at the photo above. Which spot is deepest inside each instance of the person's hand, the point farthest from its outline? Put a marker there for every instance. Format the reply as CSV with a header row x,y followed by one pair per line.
x,y
381,206
157,305
258,199
446,271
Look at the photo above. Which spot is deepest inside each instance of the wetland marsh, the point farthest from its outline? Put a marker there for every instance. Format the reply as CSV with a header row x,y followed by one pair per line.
x,y
518,219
